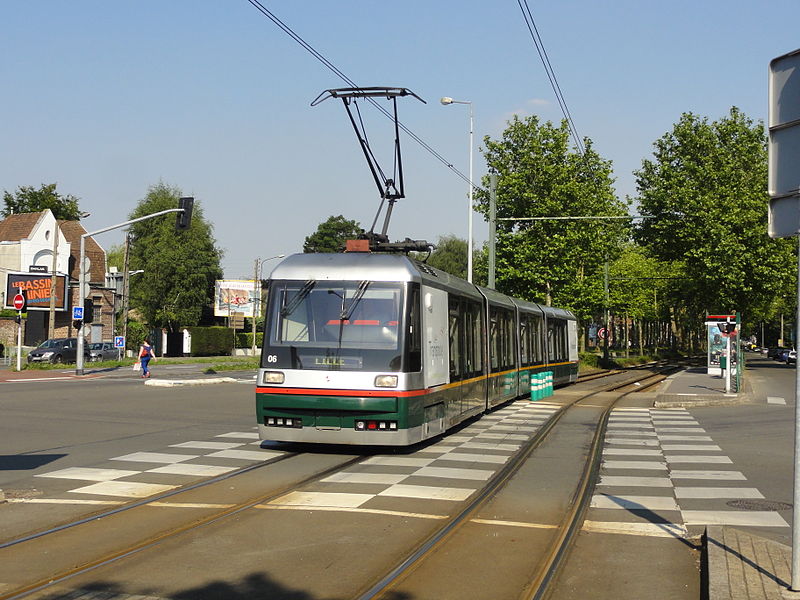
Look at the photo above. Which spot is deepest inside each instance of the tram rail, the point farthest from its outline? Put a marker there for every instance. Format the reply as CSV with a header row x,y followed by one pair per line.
x,y
60,573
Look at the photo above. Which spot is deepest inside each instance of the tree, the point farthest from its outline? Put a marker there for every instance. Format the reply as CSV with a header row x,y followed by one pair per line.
x,y
115,257
180,268
28,199
540,176
706,191
450,256
332,234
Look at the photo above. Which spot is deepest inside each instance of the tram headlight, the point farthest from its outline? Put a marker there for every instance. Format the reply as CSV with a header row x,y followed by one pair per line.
x,y
389,381
273,377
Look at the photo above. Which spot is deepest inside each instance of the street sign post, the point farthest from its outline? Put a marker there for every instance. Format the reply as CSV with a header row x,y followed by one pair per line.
x,y
19,304
119,341
77,313
784,217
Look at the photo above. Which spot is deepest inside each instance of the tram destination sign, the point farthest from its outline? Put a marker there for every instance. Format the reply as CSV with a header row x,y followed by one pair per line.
x,y
36,288
784,145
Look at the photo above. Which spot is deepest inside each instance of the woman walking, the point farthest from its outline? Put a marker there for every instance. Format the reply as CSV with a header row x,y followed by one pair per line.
x,y
145,354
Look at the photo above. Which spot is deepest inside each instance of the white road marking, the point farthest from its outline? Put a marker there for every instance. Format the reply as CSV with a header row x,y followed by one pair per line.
x,y
128,489
701,447
513,524
398,461
624,481
448,473
155,457
684,422
208,445
776,400
315,499
716,492
618,425
487,446
501,436
631,452
717,475
240,434
667,530
635,502
477,458
65,501
631,442
427,493
377,478
698,459
88,474
245,454
750,518
635,464
685,438
627,433
194,470
368,511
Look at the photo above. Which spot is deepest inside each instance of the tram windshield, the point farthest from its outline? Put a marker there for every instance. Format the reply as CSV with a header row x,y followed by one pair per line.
x,y
341,325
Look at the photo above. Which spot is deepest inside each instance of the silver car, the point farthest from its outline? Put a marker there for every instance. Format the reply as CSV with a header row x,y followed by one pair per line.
x,y
102,351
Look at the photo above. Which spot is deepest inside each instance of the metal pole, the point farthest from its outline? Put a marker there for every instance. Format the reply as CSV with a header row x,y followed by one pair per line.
x,y
51,326
492,227
796,511
605,312
257,296
82,279
19,341
125,290
471,187
728,365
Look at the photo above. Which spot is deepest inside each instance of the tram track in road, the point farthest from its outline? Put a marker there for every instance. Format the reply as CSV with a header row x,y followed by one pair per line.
x,y
391,585
23,569
69,535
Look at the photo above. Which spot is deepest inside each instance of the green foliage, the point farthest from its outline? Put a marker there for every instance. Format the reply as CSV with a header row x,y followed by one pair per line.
x,y
28,199
540,176
115,257
180,268
137,332
706,189
211,341
450,256
331,235
639,285
245,339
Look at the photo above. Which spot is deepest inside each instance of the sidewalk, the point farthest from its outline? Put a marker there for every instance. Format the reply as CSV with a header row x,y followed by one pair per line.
x,y
740,565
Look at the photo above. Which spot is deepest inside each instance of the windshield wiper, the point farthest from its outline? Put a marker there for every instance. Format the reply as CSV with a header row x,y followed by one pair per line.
x,y
292,305
362,289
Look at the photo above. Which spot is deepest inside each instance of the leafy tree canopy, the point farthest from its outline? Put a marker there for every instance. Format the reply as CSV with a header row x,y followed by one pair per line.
x,y
115,257
179,267
28,199
539,175
332,234
706,191
450,255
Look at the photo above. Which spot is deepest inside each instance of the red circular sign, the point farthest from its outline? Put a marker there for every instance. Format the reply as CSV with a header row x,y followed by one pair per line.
x,y
602,333
19,302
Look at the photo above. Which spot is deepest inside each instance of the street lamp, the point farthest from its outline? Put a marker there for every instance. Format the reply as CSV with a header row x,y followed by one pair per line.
x,y
445,101
257,299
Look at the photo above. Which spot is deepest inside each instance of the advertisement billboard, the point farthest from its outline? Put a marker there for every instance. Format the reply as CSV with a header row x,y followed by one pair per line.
x,y
234,296
36,289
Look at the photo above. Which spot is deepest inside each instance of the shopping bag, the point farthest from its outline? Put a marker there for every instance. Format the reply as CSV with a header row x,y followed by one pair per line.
x,y
137,366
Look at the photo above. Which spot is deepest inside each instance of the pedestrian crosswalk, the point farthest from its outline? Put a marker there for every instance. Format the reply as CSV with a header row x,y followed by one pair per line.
x,y
680,479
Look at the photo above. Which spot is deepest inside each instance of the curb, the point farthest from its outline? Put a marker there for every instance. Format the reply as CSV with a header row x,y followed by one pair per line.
x,y
181,382
690,401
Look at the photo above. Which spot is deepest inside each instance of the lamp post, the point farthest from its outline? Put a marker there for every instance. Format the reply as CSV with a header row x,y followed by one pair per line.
x,y
257,299
445,101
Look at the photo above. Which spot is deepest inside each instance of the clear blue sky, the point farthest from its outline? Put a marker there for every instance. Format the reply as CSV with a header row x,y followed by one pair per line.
x,y
107,98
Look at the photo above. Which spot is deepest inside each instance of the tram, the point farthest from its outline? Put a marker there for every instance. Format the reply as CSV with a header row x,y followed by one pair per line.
x,y
367,348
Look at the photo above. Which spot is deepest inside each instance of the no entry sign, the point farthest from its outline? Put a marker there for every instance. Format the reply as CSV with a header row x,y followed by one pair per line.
x,y
19,302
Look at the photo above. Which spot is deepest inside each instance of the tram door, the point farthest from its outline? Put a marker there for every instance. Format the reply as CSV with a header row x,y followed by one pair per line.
x,y
466,355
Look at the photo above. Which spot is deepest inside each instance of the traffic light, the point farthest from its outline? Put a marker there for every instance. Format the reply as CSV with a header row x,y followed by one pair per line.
x,y
184,219
88,310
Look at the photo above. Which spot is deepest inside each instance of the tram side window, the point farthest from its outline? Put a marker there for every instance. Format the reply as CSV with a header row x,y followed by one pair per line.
x,y
511,346
473,355
524,341
456,369
536,337
414,333
494,340
477,340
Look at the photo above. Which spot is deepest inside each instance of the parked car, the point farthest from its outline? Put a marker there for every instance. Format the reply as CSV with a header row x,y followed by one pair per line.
x,y
791,358
783,355
775,352
102,351
56,350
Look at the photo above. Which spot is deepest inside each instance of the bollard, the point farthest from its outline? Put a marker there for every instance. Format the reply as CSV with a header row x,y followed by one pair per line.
x,y
549,384
536,386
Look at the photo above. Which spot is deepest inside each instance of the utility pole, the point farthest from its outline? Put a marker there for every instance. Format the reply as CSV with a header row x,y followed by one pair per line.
x,y
51,325
125,284
605,311
256,302
492,227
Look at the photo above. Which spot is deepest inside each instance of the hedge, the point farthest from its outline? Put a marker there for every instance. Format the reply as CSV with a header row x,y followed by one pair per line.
x,y
211,341
245,339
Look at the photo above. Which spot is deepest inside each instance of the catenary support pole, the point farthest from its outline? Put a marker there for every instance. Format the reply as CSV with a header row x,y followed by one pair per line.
x,y
126,283
51,322
256,296
492,227
796,511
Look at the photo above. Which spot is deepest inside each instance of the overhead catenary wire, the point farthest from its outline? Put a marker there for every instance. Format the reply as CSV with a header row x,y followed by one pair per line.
x,y
551,75
311,50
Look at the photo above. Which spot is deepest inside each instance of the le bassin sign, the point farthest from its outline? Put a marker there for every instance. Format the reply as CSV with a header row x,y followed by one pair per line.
x,y
36,289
